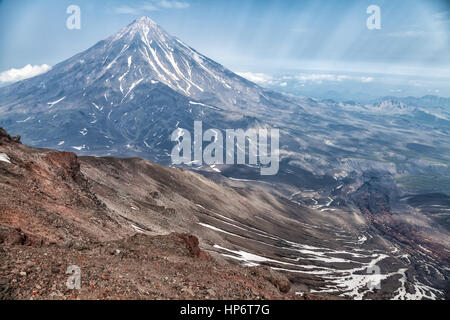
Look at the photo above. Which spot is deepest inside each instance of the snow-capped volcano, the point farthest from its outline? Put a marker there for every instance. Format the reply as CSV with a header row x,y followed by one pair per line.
x,y
143,53
125,95
161,57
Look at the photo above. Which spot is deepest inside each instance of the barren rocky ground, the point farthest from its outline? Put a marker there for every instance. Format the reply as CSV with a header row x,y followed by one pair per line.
x,y
138,230
139,267
51,219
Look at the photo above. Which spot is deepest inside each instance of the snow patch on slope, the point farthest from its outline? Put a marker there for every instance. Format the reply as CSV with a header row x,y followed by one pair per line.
x,y
4,158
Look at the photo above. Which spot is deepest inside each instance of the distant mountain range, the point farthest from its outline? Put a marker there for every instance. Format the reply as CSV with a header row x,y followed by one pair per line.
x,y
428,101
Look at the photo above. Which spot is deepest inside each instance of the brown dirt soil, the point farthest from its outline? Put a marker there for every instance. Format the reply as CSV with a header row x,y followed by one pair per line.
x,y
139,267
54,215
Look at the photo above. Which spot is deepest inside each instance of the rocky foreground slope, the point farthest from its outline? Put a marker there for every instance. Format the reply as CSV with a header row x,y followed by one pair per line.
x,y
128,224
55,213
137,267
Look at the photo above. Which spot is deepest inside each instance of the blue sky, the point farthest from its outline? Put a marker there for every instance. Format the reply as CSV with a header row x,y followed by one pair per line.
x,y
268,37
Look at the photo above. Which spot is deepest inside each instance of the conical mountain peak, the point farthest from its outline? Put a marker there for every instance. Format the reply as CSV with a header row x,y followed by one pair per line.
x,y
142,56
144,21
144,28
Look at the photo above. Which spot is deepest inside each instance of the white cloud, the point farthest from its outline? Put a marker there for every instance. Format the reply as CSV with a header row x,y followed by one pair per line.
x,y
166,4
302,78
444,15
149,7
319,77
127,10
152,6
260,78
13,75
415,83
367,79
